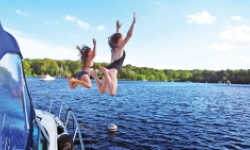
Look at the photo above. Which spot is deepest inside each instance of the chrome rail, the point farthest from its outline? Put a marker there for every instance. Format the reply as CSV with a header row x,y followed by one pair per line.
x,y
77,130
70,113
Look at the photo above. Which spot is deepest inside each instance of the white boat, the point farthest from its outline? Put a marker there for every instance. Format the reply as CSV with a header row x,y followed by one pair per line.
x,y
22,126
144,80
47,77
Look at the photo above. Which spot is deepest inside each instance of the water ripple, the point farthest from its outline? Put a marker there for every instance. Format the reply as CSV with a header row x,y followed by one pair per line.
x,y
155,115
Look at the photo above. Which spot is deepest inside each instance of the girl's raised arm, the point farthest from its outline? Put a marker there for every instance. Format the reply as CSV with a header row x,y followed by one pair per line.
x,y
130,32
118,26
94,49
78,47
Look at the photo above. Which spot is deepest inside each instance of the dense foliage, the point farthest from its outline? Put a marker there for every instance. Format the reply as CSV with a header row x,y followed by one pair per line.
x,y
37,67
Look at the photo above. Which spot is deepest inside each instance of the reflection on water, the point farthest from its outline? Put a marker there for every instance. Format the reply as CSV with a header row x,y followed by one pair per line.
x,y
154,115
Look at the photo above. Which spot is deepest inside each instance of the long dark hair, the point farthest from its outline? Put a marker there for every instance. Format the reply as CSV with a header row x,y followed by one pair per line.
x,y
84,54
113,40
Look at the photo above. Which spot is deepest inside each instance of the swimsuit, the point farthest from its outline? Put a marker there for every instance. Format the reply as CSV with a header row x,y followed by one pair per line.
x,y
79,74
88,66
117,64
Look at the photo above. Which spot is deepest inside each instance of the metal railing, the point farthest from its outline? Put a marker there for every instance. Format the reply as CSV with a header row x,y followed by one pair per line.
x,y
70,113
70,116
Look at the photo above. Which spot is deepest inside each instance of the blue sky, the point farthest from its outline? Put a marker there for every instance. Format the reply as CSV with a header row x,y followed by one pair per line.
x,y
191,34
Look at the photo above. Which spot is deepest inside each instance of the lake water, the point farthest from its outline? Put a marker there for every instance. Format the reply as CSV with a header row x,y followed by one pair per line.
x,y
155,115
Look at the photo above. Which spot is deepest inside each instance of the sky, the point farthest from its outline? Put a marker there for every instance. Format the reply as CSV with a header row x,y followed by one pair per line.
x,y
183,34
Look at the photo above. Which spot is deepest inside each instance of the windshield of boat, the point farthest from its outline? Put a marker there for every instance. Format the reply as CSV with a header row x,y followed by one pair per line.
x,y
15,104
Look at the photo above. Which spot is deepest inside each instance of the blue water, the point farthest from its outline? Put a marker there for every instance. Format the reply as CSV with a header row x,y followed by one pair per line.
x,y
156,115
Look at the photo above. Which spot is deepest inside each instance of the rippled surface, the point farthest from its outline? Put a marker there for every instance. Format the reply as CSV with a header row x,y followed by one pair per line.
x,y
156,115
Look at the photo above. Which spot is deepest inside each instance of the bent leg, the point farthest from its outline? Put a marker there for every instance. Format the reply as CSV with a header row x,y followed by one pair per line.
x,y
101,85
113,82
85,81
71,84
104,86
111,79
97,80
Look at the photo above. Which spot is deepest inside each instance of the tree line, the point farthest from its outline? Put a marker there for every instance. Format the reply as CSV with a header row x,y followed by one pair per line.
x,y
38,67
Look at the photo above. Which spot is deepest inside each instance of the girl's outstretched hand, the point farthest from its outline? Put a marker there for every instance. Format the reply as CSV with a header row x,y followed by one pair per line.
x,y
78,47
118,25
94,41
134,20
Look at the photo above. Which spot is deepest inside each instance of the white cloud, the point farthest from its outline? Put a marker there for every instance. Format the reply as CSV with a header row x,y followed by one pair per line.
x,y
16,32
243,58
215,46
33,48
201,18
21,13
69,18
237,18
83,25
240,34
100,28
234,38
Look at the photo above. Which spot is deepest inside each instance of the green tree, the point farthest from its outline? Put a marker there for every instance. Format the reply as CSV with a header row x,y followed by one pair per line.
x,y
185,75
128,72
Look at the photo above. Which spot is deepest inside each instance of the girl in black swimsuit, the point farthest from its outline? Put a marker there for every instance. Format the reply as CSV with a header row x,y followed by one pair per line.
x,y
116,43
82,77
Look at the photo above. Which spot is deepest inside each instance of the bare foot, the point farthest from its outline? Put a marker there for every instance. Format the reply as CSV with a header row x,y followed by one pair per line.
x,y
104,70
68,75
72,80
